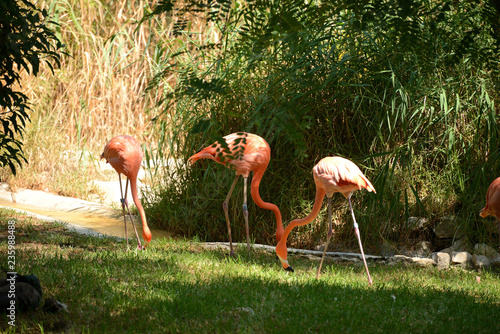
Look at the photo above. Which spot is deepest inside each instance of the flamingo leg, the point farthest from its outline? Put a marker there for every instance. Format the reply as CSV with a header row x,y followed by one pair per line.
x,y
328,236
245,212
356,231
125,205
122,200
225,206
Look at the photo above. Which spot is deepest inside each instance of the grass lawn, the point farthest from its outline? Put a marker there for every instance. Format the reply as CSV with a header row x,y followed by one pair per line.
x,y
178,286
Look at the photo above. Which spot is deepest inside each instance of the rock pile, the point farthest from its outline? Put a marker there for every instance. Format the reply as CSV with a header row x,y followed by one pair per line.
x,y
448,231
483,257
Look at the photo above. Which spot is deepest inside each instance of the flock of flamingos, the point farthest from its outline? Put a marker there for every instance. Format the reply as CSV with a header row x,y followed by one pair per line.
x,y
245,153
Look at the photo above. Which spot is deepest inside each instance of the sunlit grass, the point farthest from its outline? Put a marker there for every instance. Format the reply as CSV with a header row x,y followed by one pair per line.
x,y
179,286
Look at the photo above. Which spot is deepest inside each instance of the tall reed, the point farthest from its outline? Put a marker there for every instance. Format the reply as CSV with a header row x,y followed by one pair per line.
x,y
96,93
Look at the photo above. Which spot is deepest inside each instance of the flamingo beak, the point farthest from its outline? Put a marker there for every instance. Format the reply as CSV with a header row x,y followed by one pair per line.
x,y
285,264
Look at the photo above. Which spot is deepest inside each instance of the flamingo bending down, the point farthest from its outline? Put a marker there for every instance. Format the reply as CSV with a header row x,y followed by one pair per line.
x,y
492,207
249,153
331,175
124,154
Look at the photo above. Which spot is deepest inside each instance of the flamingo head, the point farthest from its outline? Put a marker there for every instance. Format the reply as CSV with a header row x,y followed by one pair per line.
x,y
146,235
483,213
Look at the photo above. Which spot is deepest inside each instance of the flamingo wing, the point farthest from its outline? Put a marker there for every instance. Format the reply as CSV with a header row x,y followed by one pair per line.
x,y
336,174
124,154
247,152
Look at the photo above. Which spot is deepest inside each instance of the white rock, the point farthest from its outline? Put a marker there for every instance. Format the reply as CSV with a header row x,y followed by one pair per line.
x,y
462,259
495,262
480,261
423,261
448,251
442,260
484,249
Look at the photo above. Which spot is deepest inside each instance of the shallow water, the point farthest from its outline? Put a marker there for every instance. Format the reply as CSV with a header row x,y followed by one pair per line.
x,y
110,223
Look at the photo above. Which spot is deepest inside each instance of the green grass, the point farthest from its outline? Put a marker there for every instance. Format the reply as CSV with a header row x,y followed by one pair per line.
x,y
178,286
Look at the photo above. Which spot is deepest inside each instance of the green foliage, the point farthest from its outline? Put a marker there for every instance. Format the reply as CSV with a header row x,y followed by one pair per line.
x,y
407,90
25,42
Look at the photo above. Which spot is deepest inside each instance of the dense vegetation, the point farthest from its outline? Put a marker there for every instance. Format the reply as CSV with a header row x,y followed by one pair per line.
x,y
407,90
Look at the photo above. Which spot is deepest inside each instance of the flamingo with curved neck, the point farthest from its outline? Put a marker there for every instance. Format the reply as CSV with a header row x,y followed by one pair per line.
x,y
124,154
331,175
246,152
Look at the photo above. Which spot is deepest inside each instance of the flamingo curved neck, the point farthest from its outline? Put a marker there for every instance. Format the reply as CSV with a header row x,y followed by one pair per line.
x,y
318,201
281,248
146,233
254,191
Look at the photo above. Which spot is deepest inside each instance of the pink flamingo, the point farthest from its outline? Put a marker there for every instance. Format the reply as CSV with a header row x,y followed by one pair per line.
x,y
248,152
331,175
492,207
124,154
